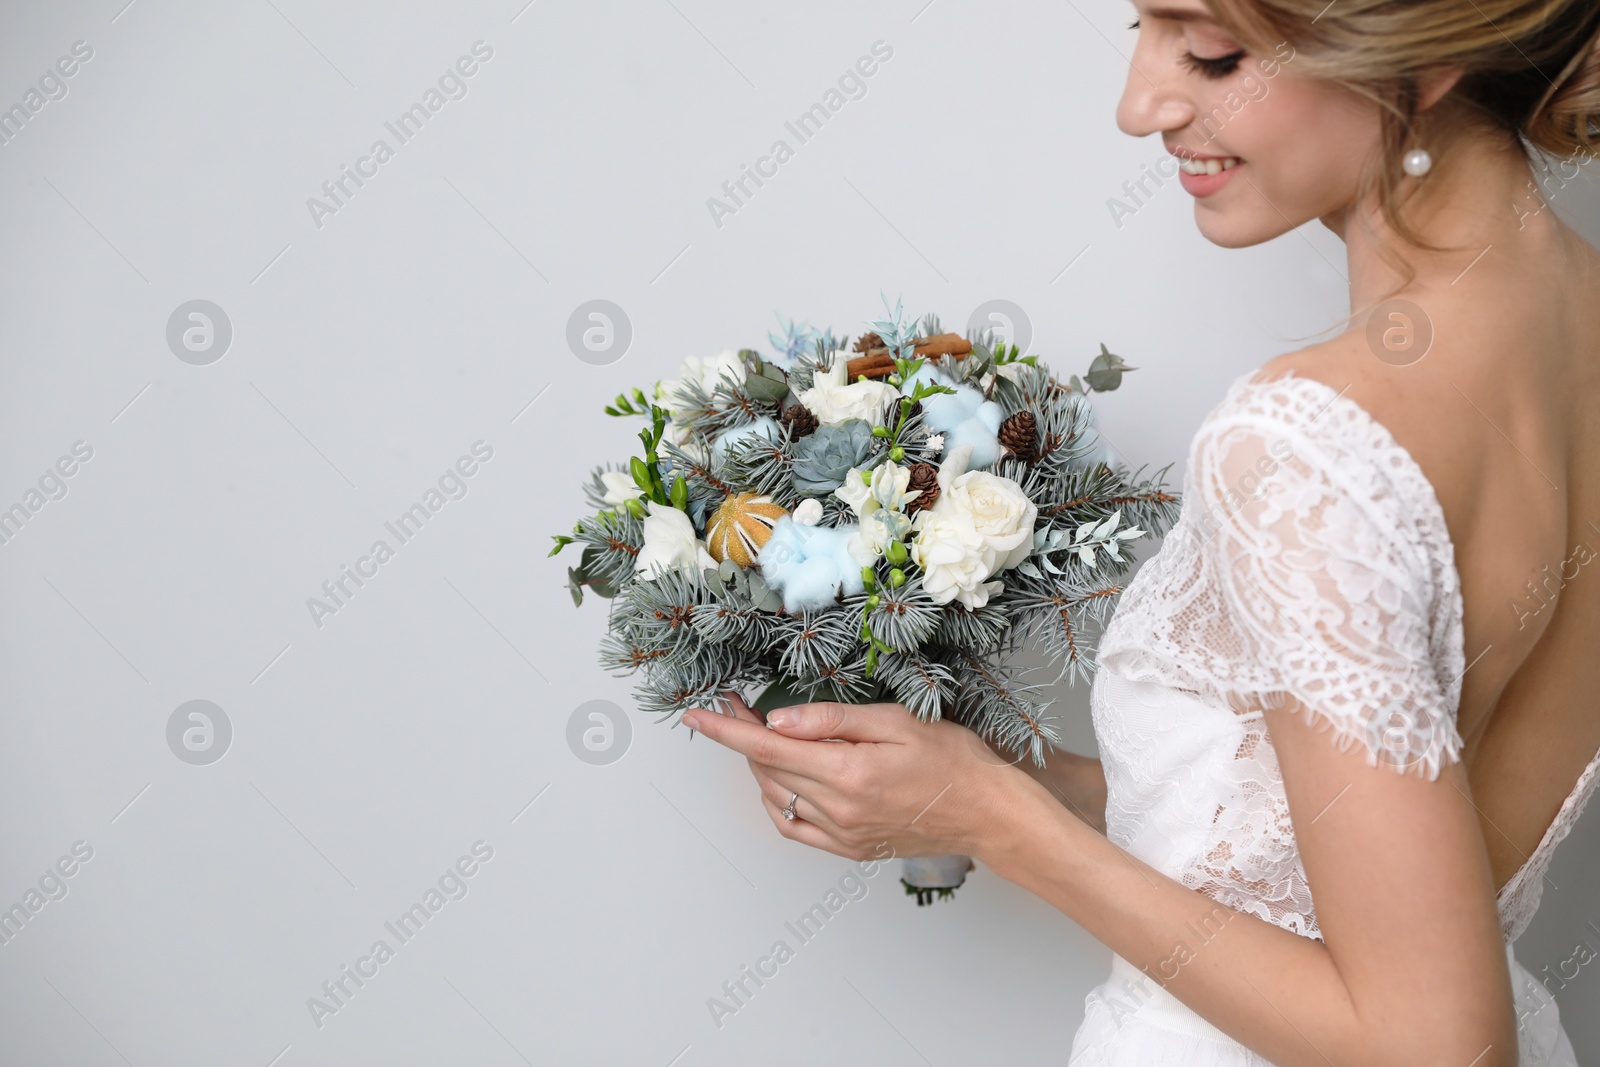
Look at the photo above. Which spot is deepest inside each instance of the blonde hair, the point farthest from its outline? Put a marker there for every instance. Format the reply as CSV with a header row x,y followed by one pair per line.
x,y
1531,70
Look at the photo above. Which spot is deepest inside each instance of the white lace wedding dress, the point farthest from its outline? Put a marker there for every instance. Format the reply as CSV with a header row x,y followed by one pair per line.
x,y
1311,558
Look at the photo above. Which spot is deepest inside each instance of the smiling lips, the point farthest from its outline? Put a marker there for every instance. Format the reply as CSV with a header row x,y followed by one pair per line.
x,y
1207,164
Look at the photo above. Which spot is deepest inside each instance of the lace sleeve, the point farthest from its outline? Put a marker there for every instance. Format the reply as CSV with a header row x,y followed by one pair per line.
x,y
1326,579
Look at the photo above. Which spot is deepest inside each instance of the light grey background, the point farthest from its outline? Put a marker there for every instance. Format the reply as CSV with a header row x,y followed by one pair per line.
x,y
427,314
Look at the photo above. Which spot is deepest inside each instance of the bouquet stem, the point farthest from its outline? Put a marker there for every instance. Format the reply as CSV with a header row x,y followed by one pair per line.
x,y
932,878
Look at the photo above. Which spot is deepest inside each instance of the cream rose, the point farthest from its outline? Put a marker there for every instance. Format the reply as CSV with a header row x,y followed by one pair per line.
x,y
955,559
1001,512
832,400
980,525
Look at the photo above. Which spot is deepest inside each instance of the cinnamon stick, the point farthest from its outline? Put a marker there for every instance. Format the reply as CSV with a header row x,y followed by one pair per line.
x,y
879,362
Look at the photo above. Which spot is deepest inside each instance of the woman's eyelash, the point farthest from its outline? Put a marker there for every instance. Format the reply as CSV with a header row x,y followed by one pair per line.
x,y
1219,67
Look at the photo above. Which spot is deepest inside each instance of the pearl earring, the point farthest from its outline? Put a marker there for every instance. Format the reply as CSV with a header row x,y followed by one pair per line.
x,y
1417,162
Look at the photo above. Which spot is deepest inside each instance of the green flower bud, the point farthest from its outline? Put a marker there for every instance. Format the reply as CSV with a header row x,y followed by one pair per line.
x,y
897,453
897,553
897,578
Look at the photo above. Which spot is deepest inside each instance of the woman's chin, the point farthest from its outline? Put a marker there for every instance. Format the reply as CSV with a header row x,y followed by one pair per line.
x,y
1237,229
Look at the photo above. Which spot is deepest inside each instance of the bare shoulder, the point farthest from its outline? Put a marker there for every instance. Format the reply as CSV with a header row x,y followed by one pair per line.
x,y
1422,408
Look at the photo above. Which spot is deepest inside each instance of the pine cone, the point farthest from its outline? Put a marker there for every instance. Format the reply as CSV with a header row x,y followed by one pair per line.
x,y
924,477
799,420
1019,435
867,342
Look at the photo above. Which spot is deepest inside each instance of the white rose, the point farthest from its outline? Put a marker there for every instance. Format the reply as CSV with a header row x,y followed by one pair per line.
x,y
620,487
1001,512
705,373
833,401
670,544
955,559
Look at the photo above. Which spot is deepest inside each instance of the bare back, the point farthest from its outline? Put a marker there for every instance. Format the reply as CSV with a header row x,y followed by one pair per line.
x,y
1503,416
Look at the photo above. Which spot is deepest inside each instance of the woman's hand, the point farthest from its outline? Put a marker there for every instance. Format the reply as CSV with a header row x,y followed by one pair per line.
x,y
869,776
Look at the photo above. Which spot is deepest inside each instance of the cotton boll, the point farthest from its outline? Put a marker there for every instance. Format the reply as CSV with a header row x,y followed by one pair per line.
x,y
927,373
985,443
980,429
810,564
813,585
762,427
945,411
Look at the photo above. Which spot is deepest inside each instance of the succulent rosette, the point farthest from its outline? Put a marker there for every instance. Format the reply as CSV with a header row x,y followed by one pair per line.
x,y
895,520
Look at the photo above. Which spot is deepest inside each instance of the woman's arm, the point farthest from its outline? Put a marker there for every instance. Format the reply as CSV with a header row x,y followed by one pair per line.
x,y
1079,782
1413,971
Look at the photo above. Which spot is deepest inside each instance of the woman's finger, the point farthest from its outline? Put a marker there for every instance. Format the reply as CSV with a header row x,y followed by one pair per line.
x,y
784,783
799,830
806,808
847,722
766,747
741,710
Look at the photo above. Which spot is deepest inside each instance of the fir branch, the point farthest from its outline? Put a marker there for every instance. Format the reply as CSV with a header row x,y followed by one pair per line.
x,y
919,681
845,682
905,617
997,705
814,642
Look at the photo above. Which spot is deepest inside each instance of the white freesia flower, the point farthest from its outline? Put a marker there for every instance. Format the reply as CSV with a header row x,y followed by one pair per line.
x,y
880,504
890,483
832,400
887,488
878,528
620,487
1011,371
706,373
854,491
670,544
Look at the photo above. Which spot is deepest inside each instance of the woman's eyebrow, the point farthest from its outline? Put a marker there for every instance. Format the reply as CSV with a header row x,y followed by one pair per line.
x,y
1178,14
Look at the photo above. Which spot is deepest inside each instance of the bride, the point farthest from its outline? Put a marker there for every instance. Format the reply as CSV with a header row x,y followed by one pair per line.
x,y
1346,713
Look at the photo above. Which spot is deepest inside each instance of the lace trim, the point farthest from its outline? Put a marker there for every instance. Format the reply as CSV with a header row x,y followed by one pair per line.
x,y
1519,898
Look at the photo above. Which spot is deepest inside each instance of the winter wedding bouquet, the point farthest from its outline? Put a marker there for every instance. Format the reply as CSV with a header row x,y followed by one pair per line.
x,y
891,523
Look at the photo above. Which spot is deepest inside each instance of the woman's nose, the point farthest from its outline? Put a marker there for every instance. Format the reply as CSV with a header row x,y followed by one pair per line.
x,y
1150,101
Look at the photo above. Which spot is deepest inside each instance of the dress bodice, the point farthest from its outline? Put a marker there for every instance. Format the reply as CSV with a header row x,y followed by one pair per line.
x,y
1311,560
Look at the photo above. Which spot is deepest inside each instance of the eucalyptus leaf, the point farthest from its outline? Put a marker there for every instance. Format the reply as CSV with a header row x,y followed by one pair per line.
x,y
767,383
1105,373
